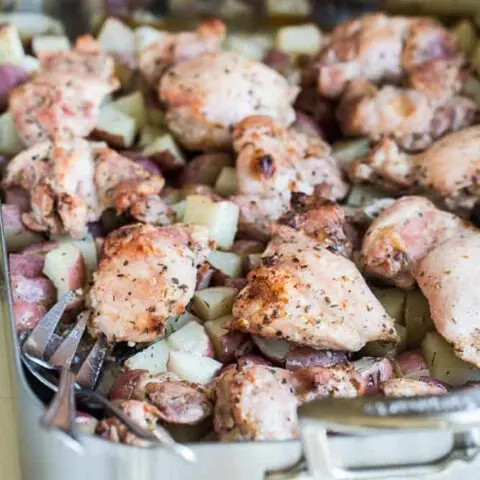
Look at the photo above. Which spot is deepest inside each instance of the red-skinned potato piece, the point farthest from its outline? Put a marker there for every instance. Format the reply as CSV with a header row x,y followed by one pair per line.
x,y
225,343
26,264
437,383
299,357
411,364
40,248
143,161
96,229
279,61
17,236
10,77
220,279
27,315
124,385
38,290
19,197
373,372
205,168
306,124
275,350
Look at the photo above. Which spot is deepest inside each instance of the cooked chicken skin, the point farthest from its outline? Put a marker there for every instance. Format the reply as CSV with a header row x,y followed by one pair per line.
x,y
256,402
84,60
120,182
403,234
311,296
146,275
405,114
380,48
60,178
407,387
71,185
58,106
448,277
179,47
272,162
203,113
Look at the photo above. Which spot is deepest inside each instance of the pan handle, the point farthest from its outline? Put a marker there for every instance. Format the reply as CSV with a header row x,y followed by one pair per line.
x,y
458,413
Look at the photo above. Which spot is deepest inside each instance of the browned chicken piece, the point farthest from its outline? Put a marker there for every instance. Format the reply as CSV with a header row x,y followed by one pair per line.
x,y
256,402
146,275
448,170
121,182
154,210
272,162
407,387
144,414
84,60
381,48
71,184
448,277
179,47
177,401
308,295
320,220
403,234
408,115
59,177
203,113
58,106
340,381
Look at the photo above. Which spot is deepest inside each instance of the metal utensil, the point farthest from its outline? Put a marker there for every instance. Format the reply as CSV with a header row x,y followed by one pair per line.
x,y
54,371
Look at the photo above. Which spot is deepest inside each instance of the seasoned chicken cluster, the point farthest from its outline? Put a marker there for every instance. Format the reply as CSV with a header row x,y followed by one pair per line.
x,y
273,162
306,294
448,170
395,76
174,48
71,184
146,275
206,97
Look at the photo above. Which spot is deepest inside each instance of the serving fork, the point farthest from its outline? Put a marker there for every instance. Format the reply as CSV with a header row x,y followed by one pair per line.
x,y
53,369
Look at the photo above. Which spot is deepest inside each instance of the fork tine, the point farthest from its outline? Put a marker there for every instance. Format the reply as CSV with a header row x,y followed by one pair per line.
x,y
64,354
88,373
38,339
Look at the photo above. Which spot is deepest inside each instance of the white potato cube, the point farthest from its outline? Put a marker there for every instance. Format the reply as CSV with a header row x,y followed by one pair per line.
x,y
116,37
65,267
289,8
191,338
227,262
166,151
30,64
146,35
299,39
193,368
11,48
252,46
214,302
417,318
393,301
154,358
10,142
226,183
156,117
88,249
50,43
179,209
388,349
116,128
133,105
350,149
176,323
150,133
444,365
30,24
221,218
363,194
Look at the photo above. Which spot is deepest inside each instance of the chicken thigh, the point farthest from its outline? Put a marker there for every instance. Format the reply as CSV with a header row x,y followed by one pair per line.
x,y
205,98
174,48
146,275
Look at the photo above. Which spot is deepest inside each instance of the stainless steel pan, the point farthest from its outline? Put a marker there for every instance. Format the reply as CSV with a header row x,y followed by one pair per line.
x,y
436,437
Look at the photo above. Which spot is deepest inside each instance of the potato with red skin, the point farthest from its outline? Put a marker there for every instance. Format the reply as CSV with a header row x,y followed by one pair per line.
x,y
142,160
373,372
299,357
40,248
204,169
28,265
10,77
225,343
125,384
38,290
85,422
18,196
17,236
27,315
411,364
